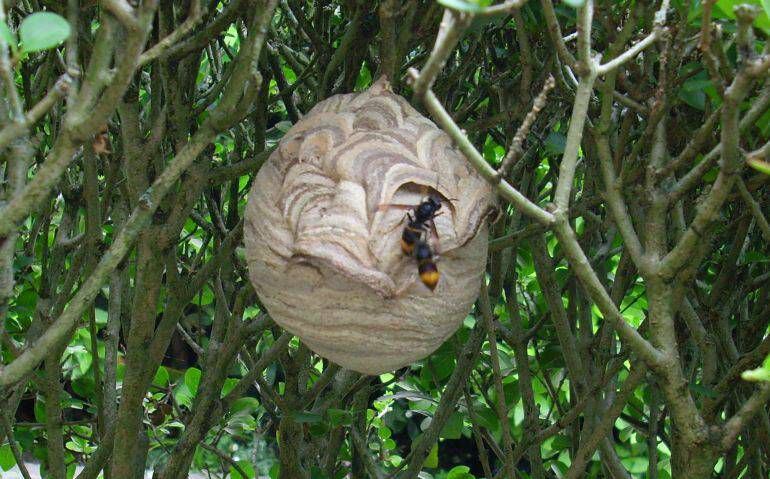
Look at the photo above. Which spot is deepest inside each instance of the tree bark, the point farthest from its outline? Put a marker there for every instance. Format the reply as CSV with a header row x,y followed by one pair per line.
x,y
692,460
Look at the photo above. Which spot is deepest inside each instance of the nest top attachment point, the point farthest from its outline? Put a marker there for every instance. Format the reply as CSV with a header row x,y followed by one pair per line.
x,y
325,224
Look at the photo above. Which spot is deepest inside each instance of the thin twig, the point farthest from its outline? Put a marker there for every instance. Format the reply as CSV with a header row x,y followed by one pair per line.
x,y
516,150
20,127
505,190
735,425
590,443
505,7
194,17
452,26
7,74
500,407
756,210
237,98
629,54
361,448
122,11
15,449
221,454
453,389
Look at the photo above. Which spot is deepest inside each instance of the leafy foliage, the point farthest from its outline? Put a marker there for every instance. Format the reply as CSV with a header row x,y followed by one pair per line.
x,y
42,31
173,346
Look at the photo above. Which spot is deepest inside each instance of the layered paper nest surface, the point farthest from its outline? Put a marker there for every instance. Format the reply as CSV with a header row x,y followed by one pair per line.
x,y
323,250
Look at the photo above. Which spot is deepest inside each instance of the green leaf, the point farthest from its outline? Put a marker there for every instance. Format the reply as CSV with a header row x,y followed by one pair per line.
x,y
759,165
22,261
694,91
364,79
432,460
8,35
246,467
206,296
244,405
291,77
84,360
486,417
192,378
384,432
756,375
762,373
453,428
703,390
83,386
575,3
228,386
39,409
460,472
711,175
560,442
101,316
304,417
555,143
7,461
763,123
77,444
318,429
43,30
493,152
161,377
316,473
409,395
27,299
755,257
696,99
460,5
339,417
635,465
766,6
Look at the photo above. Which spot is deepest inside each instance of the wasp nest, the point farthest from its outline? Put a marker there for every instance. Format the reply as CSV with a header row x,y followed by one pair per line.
x,y
324,222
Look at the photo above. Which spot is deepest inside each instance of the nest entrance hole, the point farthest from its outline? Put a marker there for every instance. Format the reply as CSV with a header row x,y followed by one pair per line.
x,y
412,194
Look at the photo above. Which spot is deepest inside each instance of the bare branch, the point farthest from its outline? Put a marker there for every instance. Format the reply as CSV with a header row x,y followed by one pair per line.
x,y
20,127
588,74
616,202
194,17
122,11
554,31
516,150
709,207
503,188
505,7
500,407
756,210
452,26
7,429
736,424
7,74
602,429
628,55
569,159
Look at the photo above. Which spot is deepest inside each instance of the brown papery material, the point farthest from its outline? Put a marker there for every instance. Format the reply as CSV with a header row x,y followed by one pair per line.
x,y
323,250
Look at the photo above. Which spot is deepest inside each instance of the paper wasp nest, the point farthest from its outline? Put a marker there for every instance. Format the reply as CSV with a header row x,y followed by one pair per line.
x,y
323,233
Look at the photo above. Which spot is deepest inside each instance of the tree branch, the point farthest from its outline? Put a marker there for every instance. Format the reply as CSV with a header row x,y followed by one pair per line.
x,y
735,425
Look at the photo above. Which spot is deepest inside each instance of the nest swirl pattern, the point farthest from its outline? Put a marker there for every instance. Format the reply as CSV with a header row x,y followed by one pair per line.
x,y
323,230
